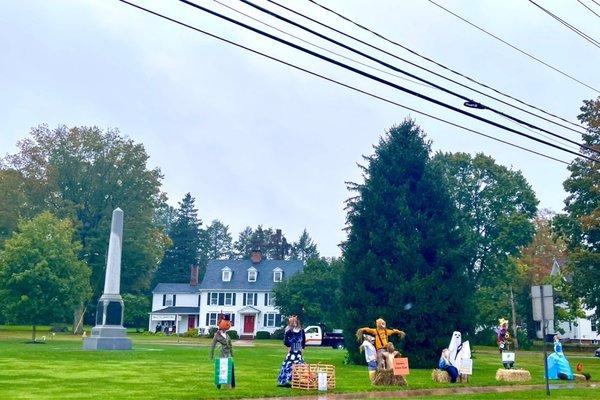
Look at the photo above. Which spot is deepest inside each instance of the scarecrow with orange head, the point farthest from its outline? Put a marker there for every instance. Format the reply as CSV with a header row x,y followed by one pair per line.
x,y
224,370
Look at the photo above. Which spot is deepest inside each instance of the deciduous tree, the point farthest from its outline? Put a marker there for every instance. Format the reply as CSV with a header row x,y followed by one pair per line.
x,y
41,278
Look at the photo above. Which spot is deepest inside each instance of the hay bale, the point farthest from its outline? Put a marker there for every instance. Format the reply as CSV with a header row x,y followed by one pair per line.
x,y
513,375
579,377
440,376
386,377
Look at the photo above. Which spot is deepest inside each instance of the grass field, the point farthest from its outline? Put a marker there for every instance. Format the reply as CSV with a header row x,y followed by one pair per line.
x,y
161,368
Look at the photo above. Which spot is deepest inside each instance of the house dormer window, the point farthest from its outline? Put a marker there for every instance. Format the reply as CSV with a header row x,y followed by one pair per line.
x,y
226,274
252,273
277,275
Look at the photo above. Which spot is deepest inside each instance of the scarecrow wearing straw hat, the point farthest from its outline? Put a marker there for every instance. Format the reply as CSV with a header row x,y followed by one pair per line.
x,y
381,334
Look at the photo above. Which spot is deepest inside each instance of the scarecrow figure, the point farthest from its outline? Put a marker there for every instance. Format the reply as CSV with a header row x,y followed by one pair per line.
x,y
224,370
381,334
295,341
503,340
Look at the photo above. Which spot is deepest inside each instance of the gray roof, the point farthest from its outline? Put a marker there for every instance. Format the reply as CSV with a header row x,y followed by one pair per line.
x,y
177,310
176,288
239,278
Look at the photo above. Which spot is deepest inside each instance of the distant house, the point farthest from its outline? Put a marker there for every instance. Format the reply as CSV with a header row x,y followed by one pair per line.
x,y
583,330
243,289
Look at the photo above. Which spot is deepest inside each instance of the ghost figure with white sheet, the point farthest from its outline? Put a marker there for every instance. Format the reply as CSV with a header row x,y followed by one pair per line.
x,y
458,350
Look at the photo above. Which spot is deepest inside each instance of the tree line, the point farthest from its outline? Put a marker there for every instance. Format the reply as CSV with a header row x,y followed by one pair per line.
x,y
436,242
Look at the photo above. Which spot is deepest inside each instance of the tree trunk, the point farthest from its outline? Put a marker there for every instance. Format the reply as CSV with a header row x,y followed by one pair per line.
x,y
514,319
33,334
78,319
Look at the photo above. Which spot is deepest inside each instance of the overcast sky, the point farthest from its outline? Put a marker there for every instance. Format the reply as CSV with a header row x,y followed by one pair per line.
x,y
256,142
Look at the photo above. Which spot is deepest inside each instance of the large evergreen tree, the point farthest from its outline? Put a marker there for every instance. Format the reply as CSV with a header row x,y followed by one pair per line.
x,y
403,254
185,250
580,224
304,249
217,241
242,248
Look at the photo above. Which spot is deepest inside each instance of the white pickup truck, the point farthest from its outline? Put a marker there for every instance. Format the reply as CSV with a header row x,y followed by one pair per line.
x,y
317,336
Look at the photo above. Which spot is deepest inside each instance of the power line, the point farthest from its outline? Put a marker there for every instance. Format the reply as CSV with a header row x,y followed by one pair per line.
x,y
339,82
468,102
592,11
434,62
378,79
516,48
319,47
565,23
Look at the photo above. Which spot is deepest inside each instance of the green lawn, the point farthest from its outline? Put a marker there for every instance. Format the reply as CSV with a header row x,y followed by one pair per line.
x,y
159,367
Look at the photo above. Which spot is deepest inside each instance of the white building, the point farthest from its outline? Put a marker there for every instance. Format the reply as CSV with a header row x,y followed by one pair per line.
x,y
240,288
583,330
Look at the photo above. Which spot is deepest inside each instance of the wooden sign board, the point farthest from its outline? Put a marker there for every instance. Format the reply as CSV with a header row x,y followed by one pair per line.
x,y
466,366
401,366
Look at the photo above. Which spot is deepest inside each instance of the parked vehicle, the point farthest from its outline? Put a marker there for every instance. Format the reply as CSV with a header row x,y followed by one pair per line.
x,y
317,335
597,354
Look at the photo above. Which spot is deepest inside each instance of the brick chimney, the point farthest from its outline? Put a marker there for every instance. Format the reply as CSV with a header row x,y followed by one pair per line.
x,y
193,275
256,256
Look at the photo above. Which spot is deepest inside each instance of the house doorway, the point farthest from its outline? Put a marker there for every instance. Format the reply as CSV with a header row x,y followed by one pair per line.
x,y
249,324
191,322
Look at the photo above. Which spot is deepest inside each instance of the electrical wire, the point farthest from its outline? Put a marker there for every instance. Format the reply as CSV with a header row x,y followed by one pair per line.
x,y
516,48
319,47
468,102
433,62
584,35
339,82
377,78
592,11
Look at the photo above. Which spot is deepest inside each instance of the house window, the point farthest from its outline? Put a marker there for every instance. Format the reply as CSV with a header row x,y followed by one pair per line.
x,y
226,274
594,323
212,318
213,299
269,299
221,299
277,275
252,274
250,299
169,300
272,320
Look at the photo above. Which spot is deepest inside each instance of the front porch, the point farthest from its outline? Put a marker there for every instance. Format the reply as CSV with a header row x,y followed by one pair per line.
x,y
249,316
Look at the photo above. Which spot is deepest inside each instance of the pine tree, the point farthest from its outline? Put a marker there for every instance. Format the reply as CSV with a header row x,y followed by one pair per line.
x,y
304,249
185,235
216,241
242,247
403,256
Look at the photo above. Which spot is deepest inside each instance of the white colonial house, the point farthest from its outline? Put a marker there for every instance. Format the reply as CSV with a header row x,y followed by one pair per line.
x,y
582,330
243,289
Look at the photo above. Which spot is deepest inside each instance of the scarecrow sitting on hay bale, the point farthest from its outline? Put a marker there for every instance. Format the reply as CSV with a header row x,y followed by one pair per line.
x,y
385,354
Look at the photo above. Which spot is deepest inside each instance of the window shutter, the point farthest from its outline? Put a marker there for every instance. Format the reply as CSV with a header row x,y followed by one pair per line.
x,y
164,299
199,299
265,322
174,299
232,319
221,299
234,299
266,299
208,299
277,319
255,299
207,316
244,299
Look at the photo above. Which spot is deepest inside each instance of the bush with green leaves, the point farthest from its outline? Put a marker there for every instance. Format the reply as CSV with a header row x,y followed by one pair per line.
x,y
261,335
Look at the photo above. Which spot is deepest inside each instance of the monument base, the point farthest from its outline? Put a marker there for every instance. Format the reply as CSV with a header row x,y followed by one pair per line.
x,y
107,338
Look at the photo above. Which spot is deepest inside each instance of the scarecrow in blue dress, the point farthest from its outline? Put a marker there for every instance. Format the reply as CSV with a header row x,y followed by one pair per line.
x,y
558,365
295,340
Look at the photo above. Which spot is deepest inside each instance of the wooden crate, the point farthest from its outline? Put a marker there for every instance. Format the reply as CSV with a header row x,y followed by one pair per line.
x,y
305,376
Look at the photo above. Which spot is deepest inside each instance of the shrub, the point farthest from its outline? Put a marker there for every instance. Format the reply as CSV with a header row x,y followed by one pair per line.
x,y
59,328
260,335
233,335
278,334
211,332
191,333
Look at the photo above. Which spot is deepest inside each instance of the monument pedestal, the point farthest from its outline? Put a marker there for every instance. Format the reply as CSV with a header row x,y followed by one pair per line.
x,y
109,333
107,338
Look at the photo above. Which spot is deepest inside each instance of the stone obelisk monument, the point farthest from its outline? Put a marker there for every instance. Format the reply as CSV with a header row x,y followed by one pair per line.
x,y
109,333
